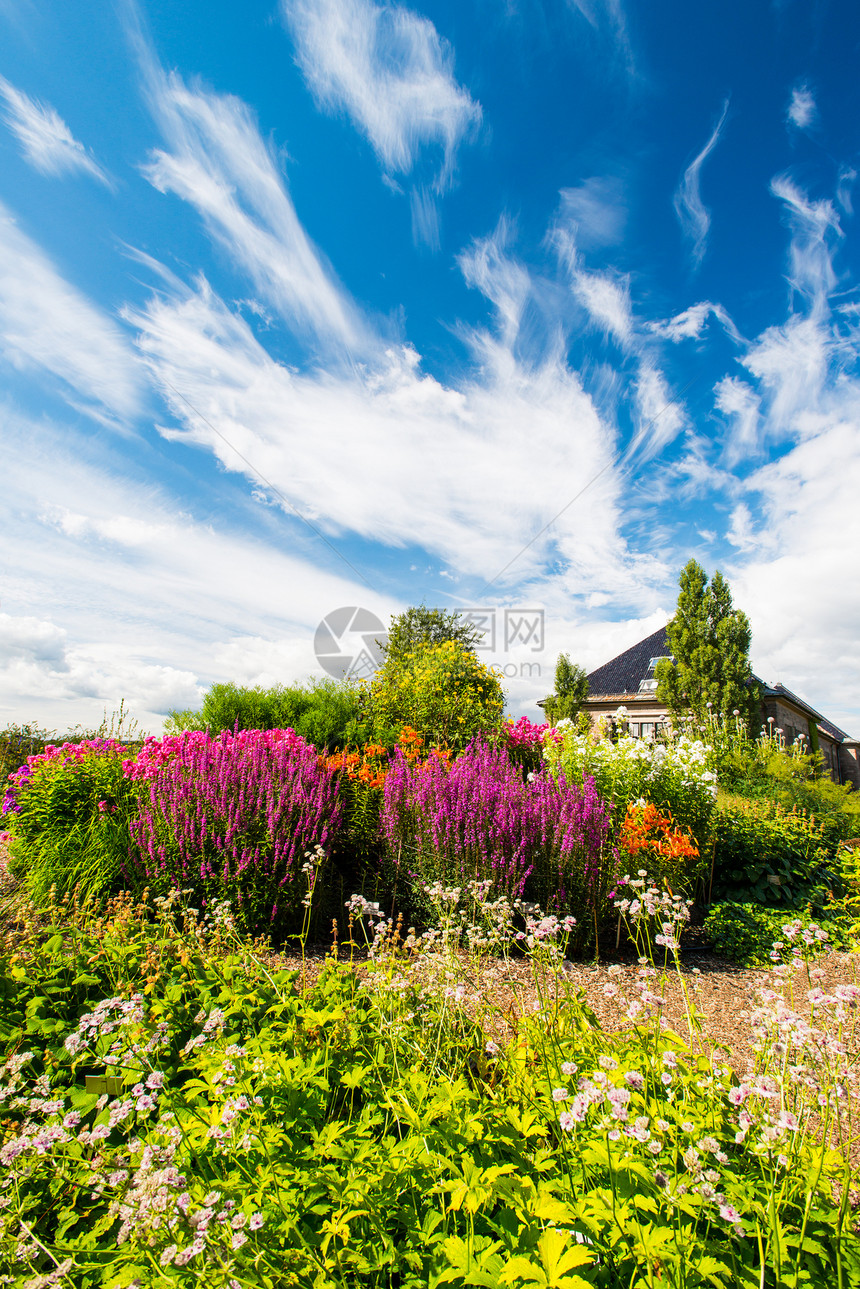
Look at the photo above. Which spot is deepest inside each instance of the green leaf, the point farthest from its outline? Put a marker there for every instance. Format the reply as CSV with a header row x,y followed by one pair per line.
x,y
558,1257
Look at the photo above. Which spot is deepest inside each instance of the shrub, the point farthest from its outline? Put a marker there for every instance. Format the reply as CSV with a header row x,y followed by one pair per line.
x,y
442,690
17,743
481,821
676,775
232,818
773,856
68,810
324,712
746,932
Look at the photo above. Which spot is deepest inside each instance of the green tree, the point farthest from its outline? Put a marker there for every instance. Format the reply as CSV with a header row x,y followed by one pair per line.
x,y
710,641
420,626
442,690
571,691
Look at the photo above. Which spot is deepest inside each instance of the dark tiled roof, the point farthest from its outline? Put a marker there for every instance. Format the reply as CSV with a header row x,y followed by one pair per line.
x,y
623,674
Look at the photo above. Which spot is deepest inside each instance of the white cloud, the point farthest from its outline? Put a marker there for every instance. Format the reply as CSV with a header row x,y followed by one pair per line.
x,y
604,296
32,640
739,402
606,299
799,581
45,323
608,18
461,472
692,213
595,212
111,590
389,69
791,362
220,165
46,141
660,415
424,206
802,111
815,230
689,324
489,268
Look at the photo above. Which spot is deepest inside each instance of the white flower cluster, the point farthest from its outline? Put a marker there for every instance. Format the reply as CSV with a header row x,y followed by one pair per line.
x,y
671,771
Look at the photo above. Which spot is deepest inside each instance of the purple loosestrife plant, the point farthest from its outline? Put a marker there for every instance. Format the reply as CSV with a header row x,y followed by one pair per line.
x,y
231,817
481,820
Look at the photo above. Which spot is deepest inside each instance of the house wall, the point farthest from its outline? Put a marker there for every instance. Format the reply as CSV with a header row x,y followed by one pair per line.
x,y
849,764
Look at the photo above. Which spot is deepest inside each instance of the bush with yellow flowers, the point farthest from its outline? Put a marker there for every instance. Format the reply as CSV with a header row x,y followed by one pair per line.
x,y
441,690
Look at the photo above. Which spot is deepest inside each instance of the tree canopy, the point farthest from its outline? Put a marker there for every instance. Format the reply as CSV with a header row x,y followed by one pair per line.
x,y
571,691
420,626
710,641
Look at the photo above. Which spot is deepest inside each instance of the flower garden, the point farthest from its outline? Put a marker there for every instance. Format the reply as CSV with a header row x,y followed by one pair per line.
x,y
178,1106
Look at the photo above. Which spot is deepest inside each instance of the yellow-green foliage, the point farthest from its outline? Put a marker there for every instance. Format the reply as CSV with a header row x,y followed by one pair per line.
x,y
442,690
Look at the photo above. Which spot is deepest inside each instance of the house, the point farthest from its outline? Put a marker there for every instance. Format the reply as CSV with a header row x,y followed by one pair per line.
x,y
628,681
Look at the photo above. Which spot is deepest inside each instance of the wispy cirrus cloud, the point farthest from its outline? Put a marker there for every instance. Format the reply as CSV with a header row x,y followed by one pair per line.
x,y
595,212
802,111
310,434
389,69
218,163
693,215
816,230
47,324
45,139
608,17
691,322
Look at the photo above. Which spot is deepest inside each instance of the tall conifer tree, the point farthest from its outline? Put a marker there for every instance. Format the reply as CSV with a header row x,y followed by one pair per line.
x,y
710,641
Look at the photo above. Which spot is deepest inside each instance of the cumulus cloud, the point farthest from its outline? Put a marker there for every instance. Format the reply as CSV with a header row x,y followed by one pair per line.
x,y
45,139
48,325
693,215
113,590
390,71
32,640
802,111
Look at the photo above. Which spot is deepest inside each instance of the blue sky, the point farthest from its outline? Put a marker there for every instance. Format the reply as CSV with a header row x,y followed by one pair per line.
x,y
516,306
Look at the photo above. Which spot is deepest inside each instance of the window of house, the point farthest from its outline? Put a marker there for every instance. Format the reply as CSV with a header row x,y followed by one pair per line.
x,y
648,684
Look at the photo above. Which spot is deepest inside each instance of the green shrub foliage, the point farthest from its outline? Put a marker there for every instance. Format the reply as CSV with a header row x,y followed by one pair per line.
x,y
324,712
773,856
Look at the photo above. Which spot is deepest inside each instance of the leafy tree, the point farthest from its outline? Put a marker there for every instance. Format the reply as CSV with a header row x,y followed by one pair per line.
x,y
710,641
571,691
422,626
441,689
